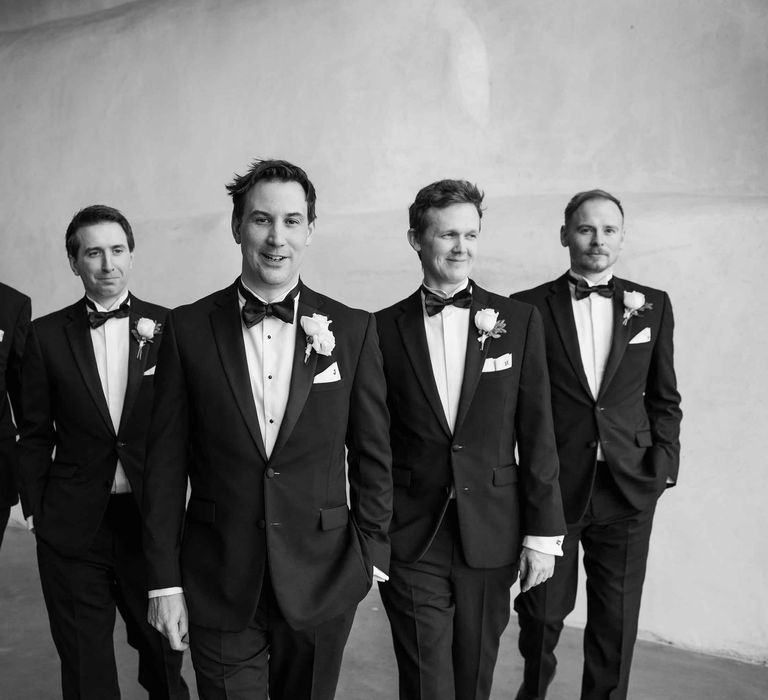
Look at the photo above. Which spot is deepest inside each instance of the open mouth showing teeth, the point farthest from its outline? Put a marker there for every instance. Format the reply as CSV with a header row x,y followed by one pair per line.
x,y
273,258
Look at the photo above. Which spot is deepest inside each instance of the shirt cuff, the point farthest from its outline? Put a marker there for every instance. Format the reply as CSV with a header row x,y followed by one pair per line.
x,y
379,576
545,545
159,592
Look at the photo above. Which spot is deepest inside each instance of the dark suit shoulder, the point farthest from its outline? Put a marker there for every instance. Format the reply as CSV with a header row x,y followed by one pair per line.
x,y
58,318
630,286
148,309
535,294
12,297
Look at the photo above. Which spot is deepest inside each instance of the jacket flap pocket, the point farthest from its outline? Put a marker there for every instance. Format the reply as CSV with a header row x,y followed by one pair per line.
x,y
503,476
644,438
63,470
331,518
202,511
401,477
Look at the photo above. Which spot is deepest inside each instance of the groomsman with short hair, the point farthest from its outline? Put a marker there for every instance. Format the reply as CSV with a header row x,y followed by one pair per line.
x,y
474,457
87,396
617,419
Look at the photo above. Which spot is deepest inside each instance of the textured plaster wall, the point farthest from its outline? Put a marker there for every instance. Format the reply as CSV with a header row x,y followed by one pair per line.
x,y
151,106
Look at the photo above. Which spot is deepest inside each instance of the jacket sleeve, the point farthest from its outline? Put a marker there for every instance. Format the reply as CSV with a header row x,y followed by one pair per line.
x,y
369,456
165,469
541,506
36,427
662,401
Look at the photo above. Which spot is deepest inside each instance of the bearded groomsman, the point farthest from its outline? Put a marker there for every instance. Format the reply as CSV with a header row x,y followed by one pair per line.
x,y
467,388
617,420
15,313
87,396
258,397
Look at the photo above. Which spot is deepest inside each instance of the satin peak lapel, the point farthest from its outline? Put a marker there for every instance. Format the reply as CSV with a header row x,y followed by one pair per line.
x,y
302,373
619,339
79,335
227,331
411,326
474,357
136,366
559,302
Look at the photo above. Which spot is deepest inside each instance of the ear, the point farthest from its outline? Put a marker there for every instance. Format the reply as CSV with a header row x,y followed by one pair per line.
x,y
413,239
73,266
310,231
130,262
563,237
235,228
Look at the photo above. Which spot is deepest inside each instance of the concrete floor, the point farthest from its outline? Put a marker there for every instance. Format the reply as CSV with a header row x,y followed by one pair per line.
x,y
29,667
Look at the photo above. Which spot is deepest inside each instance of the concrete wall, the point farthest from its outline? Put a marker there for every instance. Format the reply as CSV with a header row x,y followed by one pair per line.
x,y
151,106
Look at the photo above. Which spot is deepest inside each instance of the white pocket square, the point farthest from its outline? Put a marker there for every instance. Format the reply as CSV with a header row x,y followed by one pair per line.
x,y
496,364
150,371
644,336
329,374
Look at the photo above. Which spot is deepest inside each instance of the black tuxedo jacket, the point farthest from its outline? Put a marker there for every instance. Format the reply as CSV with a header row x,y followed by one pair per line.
x,y
64,410
636,415
15,312
247,512
499,498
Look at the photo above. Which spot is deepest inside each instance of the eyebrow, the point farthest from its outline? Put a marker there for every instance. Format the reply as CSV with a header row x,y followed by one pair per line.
x,y
259,212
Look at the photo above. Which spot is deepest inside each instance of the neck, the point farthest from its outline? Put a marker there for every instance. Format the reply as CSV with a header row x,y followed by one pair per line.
x,y
447,289
108,302
267,292
594,277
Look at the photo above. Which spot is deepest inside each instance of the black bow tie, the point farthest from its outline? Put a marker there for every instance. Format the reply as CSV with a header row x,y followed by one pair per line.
x,y
434,303
583,290
254,311
99,318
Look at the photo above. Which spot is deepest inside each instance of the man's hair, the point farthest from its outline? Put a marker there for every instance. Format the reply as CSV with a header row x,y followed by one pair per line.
x,y
440,195
95,214
580,197
280,170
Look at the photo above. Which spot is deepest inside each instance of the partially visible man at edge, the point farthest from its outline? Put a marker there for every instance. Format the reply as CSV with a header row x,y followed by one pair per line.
x,y
15,314
617,419
261,386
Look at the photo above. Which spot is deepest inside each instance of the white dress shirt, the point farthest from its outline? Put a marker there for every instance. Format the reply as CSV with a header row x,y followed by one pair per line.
x,y
269,349
594,327
111,345
447,344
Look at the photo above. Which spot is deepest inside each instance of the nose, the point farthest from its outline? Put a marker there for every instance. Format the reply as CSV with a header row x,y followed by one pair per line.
x,y
598,239
460,246
276,237
106,263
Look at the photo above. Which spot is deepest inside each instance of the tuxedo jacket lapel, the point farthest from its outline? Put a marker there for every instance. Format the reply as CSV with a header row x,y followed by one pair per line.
x,y
78,334
302,373
474,357
560,305
136,365
411,326
228,335
619,338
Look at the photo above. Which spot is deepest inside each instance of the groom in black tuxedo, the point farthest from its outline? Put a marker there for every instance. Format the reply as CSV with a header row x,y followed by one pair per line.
x,y
87,383
617,419
261,387
467,388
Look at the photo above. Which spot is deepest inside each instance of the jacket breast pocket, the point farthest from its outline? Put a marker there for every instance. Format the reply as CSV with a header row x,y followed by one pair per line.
x,y
327,386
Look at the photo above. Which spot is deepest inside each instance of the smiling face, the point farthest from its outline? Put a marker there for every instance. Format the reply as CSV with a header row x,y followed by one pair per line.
x,y
273,234
103,261
594,236
447,245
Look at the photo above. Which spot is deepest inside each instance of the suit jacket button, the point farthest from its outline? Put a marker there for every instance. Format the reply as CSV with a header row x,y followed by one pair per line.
x,y
121,444
261,524
456,448
592,444
270,473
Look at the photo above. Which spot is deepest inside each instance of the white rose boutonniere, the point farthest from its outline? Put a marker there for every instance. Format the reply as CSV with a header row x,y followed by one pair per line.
x,y
145,331
319,337
634,304
487,322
